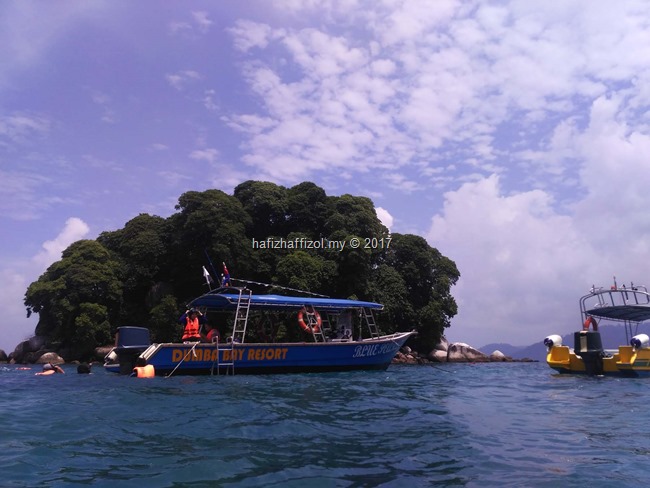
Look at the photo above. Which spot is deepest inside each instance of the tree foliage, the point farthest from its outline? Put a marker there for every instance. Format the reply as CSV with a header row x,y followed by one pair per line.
x,y
144,273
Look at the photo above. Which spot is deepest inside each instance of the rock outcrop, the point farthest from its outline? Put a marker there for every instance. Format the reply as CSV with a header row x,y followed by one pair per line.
x,y
444,352
50,357
33,350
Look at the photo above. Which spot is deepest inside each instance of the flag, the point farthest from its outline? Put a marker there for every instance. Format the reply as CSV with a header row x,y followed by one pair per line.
x,y
225,278
208,278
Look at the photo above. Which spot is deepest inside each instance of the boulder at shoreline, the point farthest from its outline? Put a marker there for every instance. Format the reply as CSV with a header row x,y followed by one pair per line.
x,y
444,352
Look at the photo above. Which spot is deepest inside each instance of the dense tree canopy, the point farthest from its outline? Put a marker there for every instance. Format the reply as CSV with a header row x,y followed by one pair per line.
x,y
144,273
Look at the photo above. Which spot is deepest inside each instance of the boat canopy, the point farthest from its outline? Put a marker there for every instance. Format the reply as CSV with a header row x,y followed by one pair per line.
x,y
628,313
625,304
218,300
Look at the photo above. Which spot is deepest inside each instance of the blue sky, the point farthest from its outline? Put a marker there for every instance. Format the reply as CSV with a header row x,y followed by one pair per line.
x,y
513,135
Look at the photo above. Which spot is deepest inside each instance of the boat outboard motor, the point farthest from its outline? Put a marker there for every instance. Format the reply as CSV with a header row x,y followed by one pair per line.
x,y
131,342
589,346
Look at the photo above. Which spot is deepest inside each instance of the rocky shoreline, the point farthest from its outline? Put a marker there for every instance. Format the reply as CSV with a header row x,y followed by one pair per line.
x,y
36,350
456,352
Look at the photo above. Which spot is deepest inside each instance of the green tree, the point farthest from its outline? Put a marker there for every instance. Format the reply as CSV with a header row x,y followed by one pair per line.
x,y
209,224
303,271
163,323
266,204
83,286
91,328
142,247
428,277
307,210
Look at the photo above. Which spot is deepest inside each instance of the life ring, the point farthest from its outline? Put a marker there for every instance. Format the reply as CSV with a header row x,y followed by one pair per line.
x,y
592,321
304,325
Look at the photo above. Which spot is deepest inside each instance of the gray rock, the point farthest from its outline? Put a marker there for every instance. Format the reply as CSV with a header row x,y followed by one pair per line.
x,y
459,352
101,352
3,356
50,357
35,343
438,356
443,345
498,356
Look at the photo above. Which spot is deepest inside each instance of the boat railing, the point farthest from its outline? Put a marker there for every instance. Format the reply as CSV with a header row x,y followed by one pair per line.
x,y
616,296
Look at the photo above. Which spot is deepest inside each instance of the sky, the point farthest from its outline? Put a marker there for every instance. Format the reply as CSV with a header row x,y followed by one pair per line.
x,y
513,135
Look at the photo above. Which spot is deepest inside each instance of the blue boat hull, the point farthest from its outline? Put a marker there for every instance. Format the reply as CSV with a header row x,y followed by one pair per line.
x,y
256,358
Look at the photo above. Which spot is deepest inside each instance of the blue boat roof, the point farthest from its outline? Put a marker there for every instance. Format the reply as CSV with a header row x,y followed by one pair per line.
x,y
228,301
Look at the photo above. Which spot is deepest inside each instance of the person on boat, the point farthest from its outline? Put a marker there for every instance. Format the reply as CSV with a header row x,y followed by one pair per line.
x,y
143,369
192,321
212,334
49,369
343,330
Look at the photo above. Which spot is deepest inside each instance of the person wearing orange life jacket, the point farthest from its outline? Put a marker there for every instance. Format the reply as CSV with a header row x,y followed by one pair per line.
x,y
192,321
142,369
212,334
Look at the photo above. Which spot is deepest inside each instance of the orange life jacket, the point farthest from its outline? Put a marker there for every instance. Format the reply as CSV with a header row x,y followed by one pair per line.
x,y
147,371
191,329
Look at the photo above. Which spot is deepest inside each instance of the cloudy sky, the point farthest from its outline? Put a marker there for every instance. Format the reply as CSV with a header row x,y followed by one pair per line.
x,y
513,135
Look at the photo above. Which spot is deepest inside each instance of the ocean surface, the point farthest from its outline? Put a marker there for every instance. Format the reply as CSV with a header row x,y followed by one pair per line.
x,y
506,424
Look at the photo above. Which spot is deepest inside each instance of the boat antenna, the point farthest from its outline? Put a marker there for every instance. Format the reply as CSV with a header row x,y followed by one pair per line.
x,y
214,271
267,285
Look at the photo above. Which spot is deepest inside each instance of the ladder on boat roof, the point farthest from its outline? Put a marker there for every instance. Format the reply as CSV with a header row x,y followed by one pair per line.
x,y
241,315
312,323
370,321
238,332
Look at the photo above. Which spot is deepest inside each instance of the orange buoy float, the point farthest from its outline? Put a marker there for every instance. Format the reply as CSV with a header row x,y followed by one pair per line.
x,y
590,321
305,325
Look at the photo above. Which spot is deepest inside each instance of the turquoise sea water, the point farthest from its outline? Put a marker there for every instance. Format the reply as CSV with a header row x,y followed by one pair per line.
x,y
512,424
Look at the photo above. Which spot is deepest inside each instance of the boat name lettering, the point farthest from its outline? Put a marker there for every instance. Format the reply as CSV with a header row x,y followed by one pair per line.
x,y
267,353
372,350
211,354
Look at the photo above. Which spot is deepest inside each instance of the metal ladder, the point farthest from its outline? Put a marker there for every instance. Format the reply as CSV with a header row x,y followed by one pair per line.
x,y
370,320
326,325
238,331
241,315
313,323
230,364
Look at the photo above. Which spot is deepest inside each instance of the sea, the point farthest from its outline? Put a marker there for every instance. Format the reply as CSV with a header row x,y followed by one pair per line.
x,y
475,425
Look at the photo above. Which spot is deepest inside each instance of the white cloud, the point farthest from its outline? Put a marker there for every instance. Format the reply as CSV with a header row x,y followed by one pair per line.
x,y
74,230
209,154
426,80
385,217
14,327
202,21
28,31
21,128
16,275
248,34
199,23
517,259
181,79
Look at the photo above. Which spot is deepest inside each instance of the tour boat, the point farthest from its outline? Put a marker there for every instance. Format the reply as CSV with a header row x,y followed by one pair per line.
x,y
338,335
618,304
